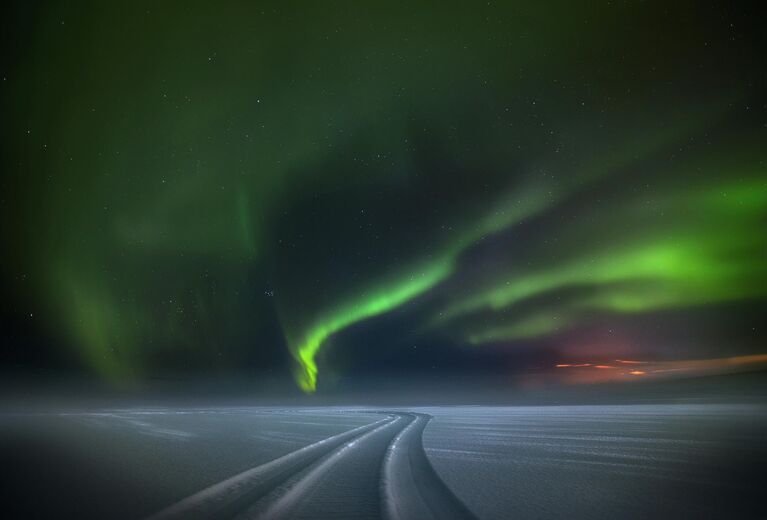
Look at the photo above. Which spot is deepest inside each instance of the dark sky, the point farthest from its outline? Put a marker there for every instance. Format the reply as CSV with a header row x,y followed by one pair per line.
x,y
360,189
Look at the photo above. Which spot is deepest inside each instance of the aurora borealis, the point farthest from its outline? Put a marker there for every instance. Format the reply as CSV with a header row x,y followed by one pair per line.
x,y
333,190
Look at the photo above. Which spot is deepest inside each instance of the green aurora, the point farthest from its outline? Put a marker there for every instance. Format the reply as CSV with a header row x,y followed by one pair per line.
x,y
238,183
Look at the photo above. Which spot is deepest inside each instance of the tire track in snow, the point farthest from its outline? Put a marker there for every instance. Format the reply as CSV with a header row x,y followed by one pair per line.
x,y
410,487
379,470
344,484
229,497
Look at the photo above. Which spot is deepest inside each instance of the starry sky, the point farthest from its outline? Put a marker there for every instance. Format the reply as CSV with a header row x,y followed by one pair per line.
x,y
332,191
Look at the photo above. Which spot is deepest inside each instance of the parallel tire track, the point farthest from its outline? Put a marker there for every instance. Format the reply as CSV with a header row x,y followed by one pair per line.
x,y
377,470
344,484
229,497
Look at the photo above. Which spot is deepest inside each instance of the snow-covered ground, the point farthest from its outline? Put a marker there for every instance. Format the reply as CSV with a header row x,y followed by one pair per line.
x,y
642,461
638,461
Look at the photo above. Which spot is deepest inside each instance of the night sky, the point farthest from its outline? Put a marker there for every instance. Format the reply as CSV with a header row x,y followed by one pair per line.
x,y
332,191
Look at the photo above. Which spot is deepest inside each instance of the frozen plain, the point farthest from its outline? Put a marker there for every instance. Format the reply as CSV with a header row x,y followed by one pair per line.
x,y
630,461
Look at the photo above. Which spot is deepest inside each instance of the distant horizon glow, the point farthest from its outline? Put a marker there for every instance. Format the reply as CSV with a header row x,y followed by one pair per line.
x,y
675,368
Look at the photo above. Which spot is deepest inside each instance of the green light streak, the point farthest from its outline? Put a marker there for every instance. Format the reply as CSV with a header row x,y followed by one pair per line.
x,y
387,296
102,330
705,264
377,301
531,327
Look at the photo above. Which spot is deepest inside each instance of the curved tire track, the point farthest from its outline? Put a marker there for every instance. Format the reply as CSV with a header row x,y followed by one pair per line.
x,y
410,487
379,470
344,484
